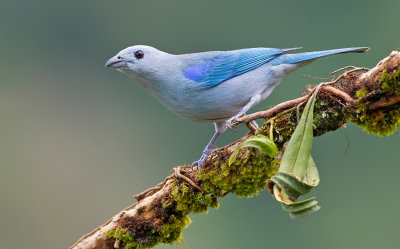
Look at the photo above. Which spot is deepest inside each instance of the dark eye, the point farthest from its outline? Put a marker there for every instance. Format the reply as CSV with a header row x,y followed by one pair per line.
x,y
139,54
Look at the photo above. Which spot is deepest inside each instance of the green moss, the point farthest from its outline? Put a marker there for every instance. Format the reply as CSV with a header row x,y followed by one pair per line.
x,y
362,92
243,178
283,129
390,82
189,200
382,121
123,235
328,116
168,233
378,122
172,231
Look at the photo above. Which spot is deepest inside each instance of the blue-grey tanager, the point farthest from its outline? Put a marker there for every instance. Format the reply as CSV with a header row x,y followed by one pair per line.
x,y
216,87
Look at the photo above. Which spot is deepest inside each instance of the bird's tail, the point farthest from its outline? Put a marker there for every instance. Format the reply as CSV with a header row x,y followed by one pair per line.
x,y
308,56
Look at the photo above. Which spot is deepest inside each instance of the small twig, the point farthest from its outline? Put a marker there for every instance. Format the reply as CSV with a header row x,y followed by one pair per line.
x,y
346,74
179,175
353,69
317,78
341,69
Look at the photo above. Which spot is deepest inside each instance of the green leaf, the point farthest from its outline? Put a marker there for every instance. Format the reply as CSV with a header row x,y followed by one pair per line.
x,y
263,143
297,153
301,208
312,177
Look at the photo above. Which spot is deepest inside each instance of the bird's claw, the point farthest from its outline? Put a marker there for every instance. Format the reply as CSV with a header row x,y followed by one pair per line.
x,y
202,159
199,162
231,122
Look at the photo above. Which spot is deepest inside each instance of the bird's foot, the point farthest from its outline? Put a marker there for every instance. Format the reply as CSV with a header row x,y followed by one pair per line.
x,y
231,122
198,163
202,159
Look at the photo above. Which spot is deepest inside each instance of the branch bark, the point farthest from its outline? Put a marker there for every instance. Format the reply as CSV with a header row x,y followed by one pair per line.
x,y
370,99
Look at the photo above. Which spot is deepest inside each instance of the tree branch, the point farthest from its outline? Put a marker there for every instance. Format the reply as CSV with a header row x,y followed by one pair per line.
x,y
370,100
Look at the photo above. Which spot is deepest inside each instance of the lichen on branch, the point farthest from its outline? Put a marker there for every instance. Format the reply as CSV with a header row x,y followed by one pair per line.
x,y
370,100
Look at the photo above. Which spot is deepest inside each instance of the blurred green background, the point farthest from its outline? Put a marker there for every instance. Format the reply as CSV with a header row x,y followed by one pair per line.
x,y
77,140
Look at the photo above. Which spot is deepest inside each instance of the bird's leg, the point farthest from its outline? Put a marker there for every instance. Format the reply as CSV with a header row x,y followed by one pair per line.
x,y
253,101
219,129
207,151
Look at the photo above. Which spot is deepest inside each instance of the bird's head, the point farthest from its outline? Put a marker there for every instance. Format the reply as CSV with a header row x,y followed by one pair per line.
x,y
137,60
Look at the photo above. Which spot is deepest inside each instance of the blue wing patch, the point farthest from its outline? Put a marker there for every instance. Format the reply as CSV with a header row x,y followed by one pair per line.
x,y
230,64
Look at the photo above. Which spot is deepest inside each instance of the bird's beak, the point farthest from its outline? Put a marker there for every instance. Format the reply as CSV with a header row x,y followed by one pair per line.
x,y
116,62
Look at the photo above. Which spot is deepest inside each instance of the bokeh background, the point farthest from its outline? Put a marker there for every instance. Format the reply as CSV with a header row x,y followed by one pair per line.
x,y
77,140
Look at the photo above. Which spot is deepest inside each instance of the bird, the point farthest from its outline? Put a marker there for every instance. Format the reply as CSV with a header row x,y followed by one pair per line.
x,y
215,86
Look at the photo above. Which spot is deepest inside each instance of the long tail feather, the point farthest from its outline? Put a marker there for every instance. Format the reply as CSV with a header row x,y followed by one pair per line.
x,y
295,58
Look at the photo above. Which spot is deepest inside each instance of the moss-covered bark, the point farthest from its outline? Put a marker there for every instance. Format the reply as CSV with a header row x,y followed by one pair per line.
x,y
376,112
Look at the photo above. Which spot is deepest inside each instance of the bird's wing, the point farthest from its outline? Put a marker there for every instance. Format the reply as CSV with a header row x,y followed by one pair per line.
x,y
229,64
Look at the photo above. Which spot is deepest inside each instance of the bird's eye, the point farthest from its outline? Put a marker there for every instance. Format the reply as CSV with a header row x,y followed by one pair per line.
x,y
139,54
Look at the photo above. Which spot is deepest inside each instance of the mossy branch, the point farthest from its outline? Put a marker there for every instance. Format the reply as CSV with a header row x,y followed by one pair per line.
x,y
370,100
